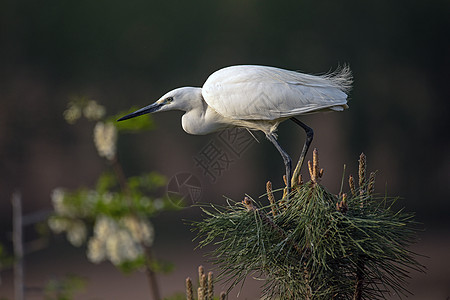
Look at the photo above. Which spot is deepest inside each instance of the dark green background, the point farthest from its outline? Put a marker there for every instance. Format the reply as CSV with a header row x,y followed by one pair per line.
x,y
124,53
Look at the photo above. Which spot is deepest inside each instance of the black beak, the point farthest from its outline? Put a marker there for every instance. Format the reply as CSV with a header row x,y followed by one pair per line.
x,y
145,110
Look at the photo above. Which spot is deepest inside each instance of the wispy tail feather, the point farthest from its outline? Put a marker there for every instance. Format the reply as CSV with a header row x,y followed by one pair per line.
x,y
342,78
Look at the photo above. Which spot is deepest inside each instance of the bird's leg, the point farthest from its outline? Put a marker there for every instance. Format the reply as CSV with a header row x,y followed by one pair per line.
x,y
309,137
287,161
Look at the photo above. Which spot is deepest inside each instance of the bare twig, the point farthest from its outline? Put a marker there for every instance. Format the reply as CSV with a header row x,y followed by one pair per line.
x,y
18,246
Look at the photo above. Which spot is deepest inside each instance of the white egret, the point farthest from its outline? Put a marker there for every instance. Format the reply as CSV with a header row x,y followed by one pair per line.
x,y
256,98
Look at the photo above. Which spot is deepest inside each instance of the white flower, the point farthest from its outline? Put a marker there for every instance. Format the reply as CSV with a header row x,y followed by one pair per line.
x,y
76,233
58,225
140,229
93,111
72,113
119,241
96,250
121,247
105,138
58,203
104,226
112,250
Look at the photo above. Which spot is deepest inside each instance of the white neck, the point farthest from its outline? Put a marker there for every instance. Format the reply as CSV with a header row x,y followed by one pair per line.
x,y
200,119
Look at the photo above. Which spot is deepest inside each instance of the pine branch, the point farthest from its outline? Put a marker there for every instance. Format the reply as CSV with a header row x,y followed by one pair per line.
x,y
248,203
319,245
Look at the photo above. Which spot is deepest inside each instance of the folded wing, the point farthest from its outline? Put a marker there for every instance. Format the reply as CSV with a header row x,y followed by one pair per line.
x,y
267,93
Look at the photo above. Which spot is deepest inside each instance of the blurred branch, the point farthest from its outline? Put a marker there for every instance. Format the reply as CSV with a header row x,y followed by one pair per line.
x,y
19,276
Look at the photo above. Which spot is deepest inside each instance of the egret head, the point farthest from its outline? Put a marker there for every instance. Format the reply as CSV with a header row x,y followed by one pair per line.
x,y
184,98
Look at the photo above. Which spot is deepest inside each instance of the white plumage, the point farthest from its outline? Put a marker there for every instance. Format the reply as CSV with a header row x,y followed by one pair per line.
x,y
257,98
268,93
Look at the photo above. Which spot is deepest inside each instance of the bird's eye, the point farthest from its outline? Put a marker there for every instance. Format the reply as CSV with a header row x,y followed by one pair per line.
x,y
169,99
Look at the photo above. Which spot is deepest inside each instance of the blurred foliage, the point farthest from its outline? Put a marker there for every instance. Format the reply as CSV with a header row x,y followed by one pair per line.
x,y
78,211
113,218
144,122
65,288
6,259
79,106
107,198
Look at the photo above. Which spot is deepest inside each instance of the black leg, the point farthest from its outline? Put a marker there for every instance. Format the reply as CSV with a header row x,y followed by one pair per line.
x,y
309,137
287,160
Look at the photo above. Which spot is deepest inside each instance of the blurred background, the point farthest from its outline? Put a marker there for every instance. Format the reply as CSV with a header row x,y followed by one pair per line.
x,y
129,53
